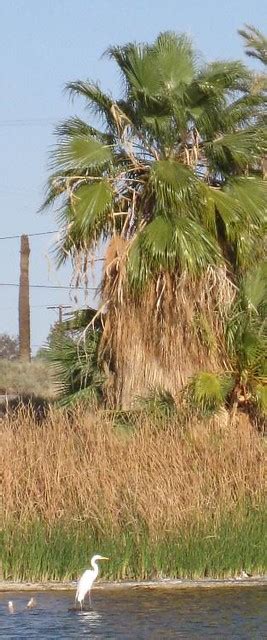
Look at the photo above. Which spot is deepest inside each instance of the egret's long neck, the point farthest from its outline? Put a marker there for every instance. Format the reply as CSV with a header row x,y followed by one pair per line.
x,y
95,567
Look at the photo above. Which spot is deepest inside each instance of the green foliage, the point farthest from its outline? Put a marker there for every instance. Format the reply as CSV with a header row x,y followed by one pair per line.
x,y
209,391
81,151
61,552
9,347
163,168
255,43
175,169
246,340
90,209
74,360
246,335
158,403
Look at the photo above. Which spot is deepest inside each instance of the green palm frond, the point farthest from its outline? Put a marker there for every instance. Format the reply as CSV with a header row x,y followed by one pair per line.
x,y
242,205
75,365
75,127
208,391
150,71
261,396
255,43
91,204
246,330
219,76
174,187
53,191
254,290
194,246
156,241
88,397
84,218
158,402
138,271
80,153
243,111
182,245
247,229
253,350
175,60
99,103
137,64
238,149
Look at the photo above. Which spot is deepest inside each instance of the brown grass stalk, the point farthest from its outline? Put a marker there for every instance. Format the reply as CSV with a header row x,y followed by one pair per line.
x,y
86,469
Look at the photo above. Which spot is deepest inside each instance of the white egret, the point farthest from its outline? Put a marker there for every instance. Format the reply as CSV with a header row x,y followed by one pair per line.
x,y
10,606
86,581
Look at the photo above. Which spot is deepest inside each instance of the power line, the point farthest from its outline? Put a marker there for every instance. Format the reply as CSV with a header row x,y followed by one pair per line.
x,y
30,235
41,233
47,286
46,306
33,306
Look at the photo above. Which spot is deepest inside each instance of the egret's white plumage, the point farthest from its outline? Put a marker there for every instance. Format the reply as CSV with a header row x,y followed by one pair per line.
x,y
86,581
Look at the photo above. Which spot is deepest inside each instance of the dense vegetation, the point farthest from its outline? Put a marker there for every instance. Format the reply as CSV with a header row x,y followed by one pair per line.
x,y
155,460
172,181
160,498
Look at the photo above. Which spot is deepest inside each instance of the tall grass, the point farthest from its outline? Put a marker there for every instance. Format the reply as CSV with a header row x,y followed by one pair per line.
x,y
158,500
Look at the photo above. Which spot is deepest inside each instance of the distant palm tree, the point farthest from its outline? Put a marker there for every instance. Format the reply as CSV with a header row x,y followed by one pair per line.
x,y
170,182
256,47
255,43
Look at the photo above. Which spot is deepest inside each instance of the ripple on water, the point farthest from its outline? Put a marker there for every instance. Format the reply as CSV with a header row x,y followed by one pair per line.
x,y
239,614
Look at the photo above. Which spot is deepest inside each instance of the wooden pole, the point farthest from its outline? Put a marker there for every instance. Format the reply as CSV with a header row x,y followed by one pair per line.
x,y
60,308
24,301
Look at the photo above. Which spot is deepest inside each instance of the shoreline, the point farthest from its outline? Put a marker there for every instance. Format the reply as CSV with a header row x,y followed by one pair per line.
x,y
257,581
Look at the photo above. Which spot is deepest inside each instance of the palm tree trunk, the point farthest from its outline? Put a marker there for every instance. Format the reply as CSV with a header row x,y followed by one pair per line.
x,y
161,341
24,302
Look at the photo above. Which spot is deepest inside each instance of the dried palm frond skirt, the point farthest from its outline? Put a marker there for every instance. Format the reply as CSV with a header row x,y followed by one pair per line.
x,y
166,335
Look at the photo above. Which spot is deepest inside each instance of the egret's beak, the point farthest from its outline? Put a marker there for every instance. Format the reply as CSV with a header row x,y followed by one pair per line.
x,y
104,558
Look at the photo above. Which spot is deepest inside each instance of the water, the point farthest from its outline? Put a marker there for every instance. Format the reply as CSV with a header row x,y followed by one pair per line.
x,y
239,614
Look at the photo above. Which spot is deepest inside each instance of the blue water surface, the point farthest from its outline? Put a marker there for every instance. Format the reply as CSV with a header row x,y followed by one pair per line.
x,y
137,614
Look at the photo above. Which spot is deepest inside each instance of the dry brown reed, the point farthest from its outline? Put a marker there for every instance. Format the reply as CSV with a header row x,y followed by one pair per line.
x,y
87,469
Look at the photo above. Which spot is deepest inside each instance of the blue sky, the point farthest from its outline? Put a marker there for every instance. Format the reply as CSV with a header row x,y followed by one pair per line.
x,y
43,44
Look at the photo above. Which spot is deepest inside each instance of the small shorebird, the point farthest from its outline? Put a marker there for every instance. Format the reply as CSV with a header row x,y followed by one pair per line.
x,y
243,574
10,606
31,604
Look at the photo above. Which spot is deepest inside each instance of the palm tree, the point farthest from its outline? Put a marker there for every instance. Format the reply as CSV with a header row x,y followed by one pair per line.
x,y
170,182
256,47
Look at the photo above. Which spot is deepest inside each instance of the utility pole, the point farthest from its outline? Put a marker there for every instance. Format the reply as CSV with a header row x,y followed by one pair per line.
x,y
24,301
60,308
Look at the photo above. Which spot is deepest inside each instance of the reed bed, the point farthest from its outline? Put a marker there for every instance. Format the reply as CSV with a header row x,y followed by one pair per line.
x,y
160,499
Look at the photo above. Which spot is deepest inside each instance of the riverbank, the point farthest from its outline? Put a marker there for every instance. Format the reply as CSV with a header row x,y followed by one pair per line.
x,y
206,583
